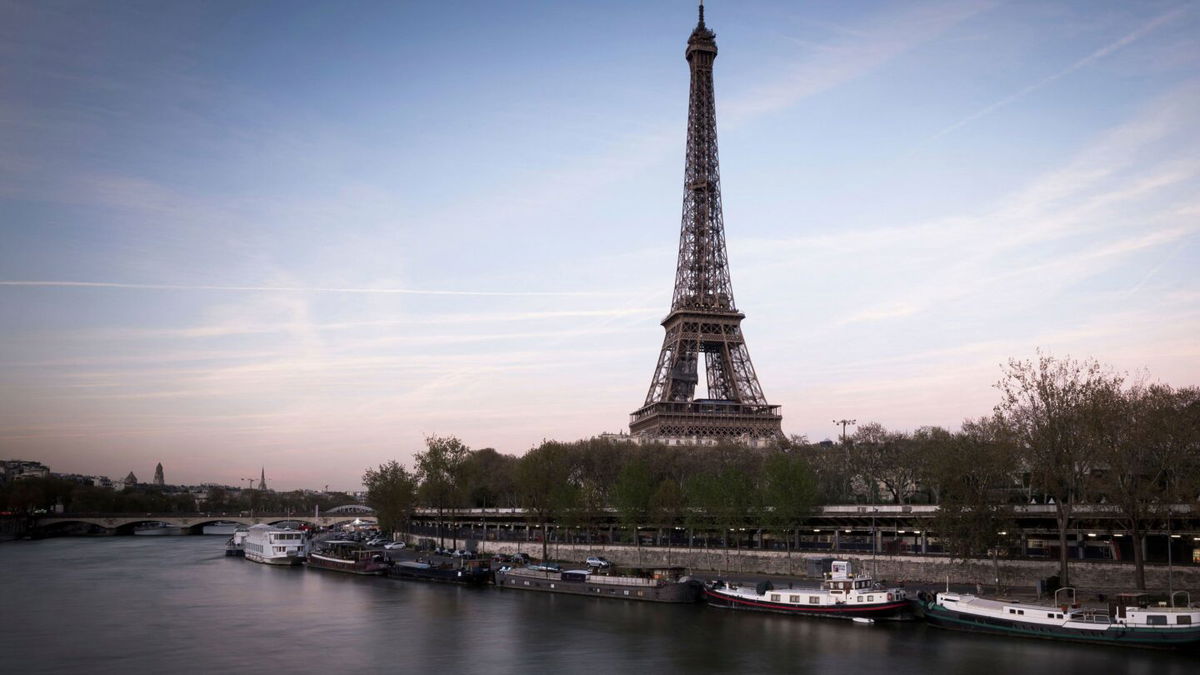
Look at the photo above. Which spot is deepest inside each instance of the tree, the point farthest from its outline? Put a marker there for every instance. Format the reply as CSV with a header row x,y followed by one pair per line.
x,y
930,445
488,479
1144,445
886,458
790,491
975,473
391,491
725,499
1052,407
667,506
631,497
544,484
439,470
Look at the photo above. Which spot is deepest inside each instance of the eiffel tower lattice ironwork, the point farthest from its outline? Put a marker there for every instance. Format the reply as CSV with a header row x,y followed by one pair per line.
x,y
704,321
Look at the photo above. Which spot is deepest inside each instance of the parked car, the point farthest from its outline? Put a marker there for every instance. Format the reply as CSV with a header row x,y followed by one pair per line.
x,y
393,545
522,558
598,562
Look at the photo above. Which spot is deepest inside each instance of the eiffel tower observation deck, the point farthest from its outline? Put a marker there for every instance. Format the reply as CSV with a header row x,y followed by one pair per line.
x,y
704,322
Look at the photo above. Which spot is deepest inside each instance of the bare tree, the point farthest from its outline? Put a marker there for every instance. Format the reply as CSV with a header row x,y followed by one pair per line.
x,y
886,459
1052,407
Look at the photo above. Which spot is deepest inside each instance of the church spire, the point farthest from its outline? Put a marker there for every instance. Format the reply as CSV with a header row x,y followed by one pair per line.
x,y
262,479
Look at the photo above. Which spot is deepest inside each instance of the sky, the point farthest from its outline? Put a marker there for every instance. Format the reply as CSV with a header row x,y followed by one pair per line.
x,y
307,235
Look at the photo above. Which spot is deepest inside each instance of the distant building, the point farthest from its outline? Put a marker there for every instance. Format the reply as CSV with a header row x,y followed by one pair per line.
x,y
76,478
20,469
158,475
130,480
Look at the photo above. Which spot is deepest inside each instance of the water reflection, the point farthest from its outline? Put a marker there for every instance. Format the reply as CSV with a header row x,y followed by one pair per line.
x,y
176,603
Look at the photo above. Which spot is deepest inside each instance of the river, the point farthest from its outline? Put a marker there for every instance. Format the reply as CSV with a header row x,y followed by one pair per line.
x,y
177,604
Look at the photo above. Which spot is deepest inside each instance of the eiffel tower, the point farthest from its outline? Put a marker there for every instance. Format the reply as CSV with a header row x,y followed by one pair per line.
x,y
704,321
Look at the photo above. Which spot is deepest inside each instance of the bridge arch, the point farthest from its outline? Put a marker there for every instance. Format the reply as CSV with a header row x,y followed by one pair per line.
x,y
351,508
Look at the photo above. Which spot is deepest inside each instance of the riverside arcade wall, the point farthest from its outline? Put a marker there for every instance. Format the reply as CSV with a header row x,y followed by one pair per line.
x,y
1087,574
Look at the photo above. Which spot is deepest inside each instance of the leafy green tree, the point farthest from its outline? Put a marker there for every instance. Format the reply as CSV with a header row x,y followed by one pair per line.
x,y
489,479
392,492
975,473
631,496
439,470
544,483
790,491
667,507
726,500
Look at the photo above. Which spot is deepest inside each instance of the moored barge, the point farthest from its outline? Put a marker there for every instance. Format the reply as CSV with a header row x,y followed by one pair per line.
x,y
1129,620
468,572
665,584
350,557
842,595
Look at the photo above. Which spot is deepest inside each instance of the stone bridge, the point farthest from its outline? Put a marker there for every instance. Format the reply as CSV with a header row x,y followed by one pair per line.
x,y
193,523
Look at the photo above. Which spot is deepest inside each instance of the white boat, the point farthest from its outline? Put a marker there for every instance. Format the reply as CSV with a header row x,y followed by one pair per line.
x,y
275,545
842,595
1130,619
236,545
223,528
156,529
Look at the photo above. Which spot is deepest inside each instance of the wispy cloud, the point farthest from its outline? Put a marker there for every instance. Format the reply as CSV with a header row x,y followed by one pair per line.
x,y
301,289
855,52
1126,40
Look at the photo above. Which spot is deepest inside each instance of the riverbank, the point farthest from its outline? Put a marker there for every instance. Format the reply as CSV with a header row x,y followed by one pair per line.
x,y
1086,575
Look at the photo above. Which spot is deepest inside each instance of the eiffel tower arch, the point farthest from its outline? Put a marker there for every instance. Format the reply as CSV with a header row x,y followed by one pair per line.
x,y
703,328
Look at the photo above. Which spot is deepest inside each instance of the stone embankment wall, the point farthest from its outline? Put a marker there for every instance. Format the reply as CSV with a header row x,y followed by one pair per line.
x,y
1108,576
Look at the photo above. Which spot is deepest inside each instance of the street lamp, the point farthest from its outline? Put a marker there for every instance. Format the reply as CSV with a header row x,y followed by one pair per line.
x,y
844,424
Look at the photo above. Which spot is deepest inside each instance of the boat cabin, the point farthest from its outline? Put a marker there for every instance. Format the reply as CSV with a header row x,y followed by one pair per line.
x,y
841,580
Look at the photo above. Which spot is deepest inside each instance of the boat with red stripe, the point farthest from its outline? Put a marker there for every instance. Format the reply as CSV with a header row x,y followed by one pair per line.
x,y
842,595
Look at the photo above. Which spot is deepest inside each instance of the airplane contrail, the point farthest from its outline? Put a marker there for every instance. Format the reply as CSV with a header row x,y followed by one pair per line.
x,y
1131,37
302,289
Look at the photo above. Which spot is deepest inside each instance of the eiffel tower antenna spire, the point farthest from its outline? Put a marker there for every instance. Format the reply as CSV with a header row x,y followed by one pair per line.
x,y
704,321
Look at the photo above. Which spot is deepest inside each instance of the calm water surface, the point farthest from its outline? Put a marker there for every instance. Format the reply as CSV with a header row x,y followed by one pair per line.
x,y
154,604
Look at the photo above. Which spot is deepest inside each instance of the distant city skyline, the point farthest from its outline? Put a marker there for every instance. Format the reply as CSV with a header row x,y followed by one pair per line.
x,y
305,236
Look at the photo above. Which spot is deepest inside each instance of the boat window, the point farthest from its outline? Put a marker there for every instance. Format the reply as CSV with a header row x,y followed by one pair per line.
x,y
1012,611
1021,612
1156,620
1183,618
870,598
814,600
1049,615
774,597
